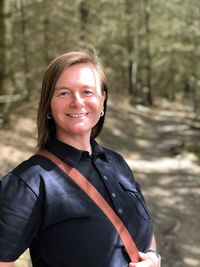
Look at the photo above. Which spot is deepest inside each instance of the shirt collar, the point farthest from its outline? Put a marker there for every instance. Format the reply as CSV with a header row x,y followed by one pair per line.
x,y
72,155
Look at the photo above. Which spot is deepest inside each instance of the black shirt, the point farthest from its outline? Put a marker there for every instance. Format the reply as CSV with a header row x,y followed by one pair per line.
x,y
42,209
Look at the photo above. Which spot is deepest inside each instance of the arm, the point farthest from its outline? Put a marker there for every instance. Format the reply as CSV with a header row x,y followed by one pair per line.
x,y
6,264
153,253
20,211
153,243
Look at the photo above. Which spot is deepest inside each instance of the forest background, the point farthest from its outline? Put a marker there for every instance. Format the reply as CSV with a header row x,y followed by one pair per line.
x,y
150,50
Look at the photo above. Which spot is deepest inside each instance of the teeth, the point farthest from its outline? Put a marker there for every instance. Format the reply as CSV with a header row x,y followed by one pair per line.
x,y
77,115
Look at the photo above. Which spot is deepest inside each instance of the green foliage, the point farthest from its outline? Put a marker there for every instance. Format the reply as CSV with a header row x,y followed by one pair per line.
x,y
195,149
150,47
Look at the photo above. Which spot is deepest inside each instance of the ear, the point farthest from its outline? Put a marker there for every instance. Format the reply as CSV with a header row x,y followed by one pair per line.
x,y
104,95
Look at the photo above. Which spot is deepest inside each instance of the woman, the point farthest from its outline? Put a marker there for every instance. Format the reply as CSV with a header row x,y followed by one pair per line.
x,y
42,209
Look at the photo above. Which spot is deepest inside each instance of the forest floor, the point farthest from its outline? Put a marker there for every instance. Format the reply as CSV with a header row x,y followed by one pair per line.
x,y
154,142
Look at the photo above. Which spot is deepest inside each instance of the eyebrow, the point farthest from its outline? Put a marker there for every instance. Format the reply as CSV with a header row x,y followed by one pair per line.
x,y
68,88
62,88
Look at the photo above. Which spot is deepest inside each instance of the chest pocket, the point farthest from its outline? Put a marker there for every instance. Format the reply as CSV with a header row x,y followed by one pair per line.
x,y
137,199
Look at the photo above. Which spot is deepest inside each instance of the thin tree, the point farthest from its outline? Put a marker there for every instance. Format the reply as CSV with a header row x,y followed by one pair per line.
x,y
131,43
25,51
147,13
2,45
84,16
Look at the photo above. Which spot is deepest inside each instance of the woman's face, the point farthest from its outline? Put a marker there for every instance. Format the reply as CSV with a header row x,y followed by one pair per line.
x,y
77,102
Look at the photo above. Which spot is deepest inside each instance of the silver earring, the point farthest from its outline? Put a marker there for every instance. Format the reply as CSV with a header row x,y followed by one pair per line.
x,y
102,113
49,116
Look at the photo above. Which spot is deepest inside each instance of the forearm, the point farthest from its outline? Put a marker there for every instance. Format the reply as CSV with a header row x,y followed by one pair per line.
x,y
153,243
6,264
152,252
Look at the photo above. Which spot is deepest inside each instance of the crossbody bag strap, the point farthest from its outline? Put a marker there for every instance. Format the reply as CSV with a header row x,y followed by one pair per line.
x,y
93,193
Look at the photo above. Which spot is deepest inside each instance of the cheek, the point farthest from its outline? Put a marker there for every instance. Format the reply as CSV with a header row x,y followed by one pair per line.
x,y
97,105
99,102
52,103
55,105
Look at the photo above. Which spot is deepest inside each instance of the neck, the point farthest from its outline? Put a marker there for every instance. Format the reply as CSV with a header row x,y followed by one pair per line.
x,y
80,142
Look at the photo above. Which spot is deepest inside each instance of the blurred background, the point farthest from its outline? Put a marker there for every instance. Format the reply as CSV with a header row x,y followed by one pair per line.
x,y
151,53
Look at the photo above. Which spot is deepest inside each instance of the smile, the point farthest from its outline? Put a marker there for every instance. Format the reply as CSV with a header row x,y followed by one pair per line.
x,y
77,115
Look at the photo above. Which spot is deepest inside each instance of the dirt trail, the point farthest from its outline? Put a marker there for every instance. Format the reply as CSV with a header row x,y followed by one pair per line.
x,y
152,141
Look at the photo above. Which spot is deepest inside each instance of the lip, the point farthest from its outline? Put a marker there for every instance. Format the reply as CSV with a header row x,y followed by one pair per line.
x,y
77,115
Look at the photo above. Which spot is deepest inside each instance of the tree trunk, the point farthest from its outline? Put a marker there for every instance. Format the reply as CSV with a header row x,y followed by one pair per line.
x,y
132,44
129,45
84,15
24,49
2,45
148,53
46,23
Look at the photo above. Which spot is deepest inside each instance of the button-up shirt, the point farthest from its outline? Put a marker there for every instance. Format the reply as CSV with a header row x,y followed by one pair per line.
x,y
42,209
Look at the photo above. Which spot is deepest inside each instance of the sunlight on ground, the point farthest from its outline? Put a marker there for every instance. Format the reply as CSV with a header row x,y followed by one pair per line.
x,y
193,250
14,155
144,143
191,261
163,165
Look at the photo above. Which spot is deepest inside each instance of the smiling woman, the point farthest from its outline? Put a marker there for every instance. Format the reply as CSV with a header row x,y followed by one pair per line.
x,y
59,84
41,208
77,104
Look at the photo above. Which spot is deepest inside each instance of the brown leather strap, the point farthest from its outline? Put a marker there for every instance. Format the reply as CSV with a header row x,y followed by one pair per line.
x,y
92,192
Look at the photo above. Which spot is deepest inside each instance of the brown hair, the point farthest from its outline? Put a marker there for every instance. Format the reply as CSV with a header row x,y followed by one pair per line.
x,y
46,127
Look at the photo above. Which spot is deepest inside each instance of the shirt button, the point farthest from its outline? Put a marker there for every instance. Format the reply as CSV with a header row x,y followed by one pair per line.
x,y
105,177
120,211
113,195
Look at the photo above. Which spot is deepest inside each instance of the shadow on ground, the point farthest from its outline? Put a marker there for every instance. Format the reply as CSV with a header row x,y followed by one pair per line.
x,y
153,141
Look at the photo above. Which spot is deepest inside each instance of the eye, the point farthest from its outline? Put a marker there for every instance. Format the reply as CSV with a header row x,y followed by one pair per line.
x,y
63,93
88,92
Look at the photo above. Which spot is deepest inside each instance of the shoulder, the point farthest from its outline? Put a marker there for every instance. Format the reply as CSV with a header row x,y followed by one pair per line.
x,y
28,173
107,154
120,168
119,165
30,166
115,157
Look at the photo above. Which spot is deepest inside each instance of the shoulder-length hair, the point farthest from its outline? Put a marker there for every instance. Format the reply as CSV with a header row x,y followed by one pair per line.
x,y
46,127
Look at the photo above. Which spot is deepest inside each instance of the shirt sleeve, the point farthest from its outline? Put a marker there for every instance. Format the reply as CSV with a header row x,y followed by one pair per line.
x,y
20,217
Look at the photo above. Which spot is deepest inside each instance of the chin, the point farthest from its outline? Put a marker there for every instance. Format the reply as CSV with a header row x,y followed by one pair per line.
x,y
80,131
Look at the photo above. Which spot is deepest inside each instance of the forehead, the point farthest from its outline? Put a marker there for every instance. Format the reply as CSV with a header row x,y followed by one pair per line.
x,y
84,73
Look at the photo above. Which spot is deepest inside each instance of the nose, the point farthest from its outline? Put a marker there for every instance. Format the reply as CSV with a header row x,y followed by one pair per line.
x,y
76,100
